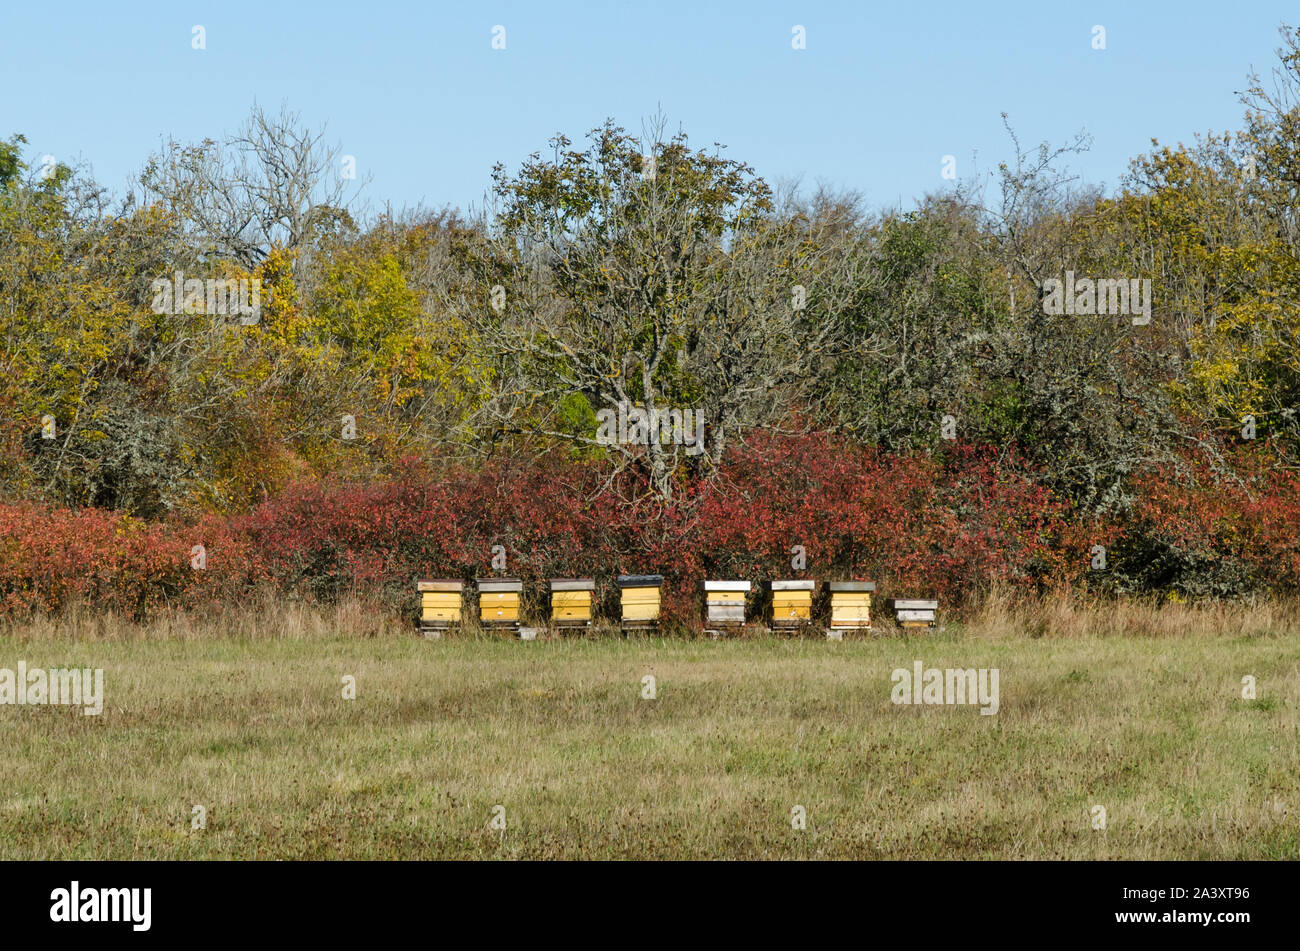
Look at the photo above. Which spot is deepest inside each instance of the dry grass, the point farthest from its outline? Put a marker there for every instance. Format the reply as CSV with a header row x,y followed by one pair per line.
x,y
263,617
254,728
1002,616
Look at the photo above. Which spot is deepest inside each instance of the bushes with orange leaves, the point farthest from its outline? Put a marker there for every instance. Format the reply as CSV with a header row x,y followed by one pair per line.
x,y
945,526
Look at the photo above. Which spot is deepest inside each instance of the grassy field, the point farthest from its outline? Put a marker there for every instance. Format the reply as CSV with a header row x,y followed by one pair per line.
x,y
740,732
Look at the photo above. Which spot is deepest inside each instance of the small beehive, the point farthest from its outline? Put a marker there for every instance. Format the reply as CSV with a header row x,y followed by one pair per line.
x,y
913,612
850,605
792,603
724,603
640,600
440,605
571,602
498,601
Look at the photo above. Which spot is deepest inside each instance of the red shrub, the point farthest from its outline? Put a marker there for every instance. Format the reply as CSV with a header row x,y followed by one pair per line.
x,y
1220,533
944,526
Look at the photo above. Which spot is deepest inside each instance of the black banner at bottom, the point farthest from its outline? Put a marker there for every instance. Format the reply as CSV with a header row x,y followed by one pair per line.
x,y
912,901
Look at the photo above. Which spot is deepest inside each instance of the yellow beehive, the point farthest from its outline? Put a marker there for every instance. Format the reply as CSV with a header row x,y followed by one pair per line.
x,y
571,601
640,600
498,601
792,603
440,605
851,604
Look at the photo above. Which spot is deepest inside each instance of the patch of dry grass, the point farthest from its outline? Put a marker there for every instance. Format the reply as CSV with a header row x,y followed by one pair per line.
x,y
263,617
1000,615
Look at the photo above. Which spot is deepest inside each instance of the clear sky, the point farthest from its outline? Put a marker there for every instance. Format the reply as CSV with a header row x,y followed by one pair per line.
x,y
417,93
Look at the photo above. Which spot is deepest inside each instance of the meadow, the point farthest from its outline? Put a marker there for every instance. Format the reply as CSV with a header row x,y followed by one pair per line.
x,y
1139,710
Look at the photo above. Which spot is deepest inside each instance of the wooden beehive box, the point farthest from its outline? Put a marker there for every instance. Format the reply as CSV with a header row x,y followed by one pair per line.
x,y
571,601
850,604
792,603
639,595
724,603
498,601
914,612
440,605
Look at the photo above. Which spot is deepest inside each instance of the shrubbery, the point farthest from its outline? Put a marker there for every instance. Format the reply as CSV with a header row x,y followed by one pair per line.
x,y
947,525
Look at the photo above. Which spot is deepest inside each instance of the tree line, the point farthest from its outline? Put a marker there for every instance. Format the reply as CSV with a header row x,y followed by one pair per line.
x,y
643,272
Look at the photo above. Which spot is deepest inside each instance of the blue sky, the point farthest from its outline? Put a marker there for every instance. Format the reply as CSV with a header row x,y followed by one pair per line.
x,y
415,91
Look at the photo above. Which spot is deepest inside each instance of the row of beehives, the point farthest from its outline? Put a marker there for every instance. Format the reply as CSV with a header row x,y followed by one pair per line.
x,y
442,604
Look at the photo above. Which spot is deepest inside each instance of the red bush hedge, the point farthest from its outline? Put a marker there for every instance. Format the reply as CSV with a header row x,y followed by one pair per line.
x,y
945,526
1239,529
50,557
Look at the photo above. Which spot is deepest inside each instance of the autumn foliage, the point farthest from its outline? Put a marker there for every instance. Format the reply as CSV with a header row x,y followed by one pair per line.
x,y
947,525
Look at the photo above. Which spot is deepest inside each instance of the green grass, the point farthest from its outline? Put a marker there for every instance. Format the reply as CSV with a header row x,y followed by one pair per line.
x,y
741,731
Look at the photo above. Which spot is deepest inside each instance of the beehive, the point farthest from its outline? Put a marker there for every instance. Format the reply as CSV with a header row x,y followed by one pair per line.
x,y
913,612
498,601
851,604
571,601
640,600
792,603
440,605
724,603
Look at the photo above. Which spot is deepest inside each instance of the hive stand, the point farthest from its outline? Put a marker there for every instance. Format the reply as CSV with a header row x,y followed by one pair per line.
x,y
792,604
571,603
724,605
639,595
498,602
440,605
